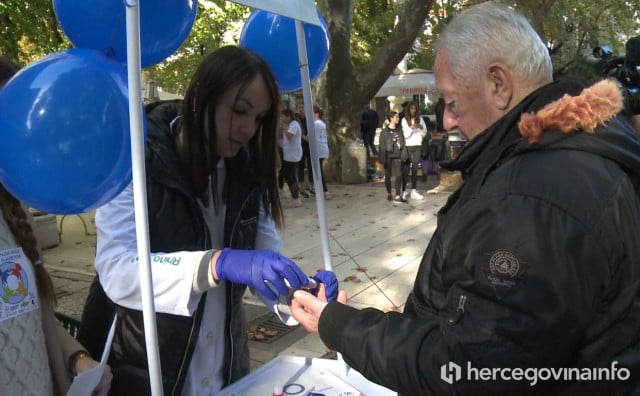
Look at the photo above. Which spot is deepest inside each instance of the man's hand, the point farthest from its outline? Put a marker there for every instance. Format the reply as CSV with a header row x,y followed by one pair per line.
x,y
306,308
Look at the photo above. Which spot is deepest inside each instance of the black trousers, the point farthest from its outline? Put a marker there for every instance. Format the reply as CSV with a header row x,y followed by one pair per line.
x,y
394,168
288,174
368,137
324,183
414,160
305,161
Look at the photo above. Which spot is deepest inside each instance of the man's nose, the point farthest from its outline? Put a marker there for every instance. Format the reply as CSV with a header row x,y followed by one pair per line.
x,y
449,120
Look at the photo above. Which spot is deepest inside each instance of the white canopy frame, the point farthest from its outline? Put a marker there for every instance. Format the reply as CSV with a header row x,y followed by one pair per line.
x,y
413,82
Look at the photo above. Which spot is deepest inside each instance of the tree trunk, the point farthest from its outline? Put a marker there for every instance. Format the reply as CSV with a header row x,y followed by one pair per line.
x,y
344,89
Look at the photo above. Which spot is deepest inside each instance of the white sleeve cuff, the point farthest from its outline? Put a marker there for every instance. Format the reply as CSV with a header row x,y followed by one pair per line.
x,y
203,277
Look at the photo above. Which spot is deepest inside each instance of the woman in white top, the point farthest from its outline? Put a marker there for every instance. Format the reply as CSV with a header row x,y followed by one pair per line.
x,y
414,130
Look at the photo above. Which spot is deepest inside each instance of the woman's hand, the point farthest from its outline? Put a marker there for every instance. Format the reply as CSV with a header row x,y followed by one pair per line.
x,y
330,285
87,363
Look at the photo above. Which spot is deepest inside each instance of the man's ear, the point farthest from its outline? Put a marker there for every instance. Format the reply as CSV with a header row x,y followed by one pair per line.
x,y
501,83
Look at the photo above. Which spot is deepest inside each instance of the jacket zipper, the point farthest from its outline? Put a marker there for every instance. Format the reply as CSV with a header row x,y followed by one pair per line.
x,y
237,220
459,311
190,340
230,307
182,363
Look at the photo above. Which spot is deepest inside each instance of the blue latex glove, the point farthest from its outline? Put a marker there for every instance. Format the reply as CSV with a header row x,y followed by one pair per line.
x,y
330,282
260,269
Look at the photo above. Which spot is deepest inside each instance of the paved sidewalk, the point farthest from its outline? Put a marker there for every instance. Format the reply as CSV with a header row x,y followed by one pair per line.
x,y
375,246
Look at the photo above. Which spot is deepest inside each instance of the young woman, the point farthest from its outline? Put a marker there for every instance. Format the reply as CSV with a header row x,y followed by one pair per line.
x,y
214,209
414,130
36,353
390,153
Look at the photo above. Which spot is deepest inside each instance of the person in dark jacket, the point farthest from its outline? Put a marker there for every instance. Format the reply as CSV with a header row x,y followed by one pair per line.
x,y
391,148
531,282
213,214
368,125
305,162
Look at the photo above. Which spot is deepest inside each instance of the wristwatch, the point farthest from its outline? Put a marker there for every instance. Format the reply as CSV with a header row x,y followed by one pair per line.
x,y
73,360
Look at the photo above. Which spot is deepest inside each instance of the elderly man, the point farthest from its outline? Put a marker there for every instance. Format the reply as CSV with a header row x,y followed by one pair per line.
x,y
531,282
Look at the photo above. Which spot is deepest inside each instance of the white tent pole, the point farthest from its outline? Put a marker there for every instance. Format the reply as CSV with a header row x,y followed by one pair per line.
x,y
313,143
315,161
140,193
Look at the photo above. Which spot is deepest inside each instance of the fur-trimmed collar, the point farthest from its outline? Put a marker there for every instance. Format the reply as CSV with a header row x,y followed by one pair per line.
x,y
593,107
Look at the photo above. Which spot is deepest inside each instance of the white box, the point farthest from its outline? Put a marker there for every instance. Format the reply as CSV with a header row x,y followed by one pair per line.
x,y
46,230
299,375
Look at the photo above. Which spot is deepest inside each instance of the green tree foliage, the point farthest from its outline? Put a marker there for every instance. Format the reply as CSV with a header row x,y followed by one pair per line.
x,y
217,23
573,28
354,75
422,54
29,30
368,39
373,21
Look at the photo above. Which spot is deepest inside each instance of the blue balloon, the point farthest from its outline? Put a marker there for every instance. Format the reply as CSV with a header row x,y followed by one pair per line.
x,y
65,132
101,25
273,37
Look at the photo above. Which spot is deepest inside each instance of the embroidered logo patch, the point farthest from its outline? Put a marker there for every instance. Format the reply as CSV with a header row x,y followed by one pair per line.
x,y
503,262
504,270
18,293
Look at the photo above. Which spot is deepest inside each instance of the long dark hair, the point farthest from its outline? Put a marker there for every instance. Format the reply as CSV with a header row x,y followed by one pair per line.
x,y
319,111
415,118
289,114
220,71
17,220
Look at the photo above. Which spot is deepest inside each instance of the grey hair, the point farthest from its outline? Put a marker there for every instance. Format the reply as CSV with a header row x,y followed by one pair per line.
x,y
491,32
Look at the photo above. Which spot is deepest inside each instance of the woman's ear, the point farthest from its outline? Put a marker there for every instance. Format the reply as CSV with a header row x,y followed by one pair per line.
x,y
501,85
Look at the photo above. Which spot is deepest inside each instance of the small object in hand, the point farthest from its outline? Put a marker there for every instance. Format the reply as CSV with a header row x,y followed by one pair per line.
x,y
310,286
